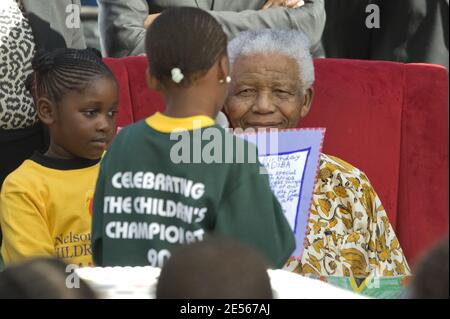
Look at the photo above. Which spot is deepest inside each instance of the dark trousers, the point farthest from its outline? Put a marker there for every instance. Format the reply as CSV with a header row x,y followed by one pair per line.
x,y
410,31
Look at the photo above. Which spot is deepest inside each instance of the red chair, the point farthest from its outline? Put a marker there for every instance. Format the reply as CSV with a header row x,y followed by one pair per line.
x,y
388,119
136,101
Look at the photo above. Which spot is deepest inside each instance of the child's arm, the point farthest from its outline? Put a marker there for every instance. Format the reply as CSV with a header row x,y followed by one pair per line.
x,y
252,214
309,18
24,225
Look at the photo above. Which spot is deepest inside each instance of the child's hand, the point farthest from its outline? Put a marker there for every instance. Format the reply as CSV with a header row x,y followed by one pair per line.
x,y
284,3
150,19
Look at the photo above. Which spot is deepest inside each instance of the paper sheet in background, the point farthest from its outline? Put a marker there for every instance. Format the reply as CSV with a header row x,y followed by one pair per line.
x,y
291,158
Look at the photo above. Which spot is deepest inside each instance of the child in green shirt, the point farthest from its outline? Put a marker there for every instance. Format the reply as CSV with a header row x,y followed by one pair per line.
x,y
150,199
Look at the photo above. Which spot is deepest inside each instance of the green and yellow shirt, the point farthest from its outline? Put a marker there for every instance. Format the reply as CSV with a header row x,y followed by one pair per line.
x,y
146,203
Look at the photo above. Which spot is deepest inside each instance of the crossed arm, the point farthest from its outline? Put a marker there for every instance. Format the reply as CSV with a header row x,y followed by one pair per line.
x,y
122,23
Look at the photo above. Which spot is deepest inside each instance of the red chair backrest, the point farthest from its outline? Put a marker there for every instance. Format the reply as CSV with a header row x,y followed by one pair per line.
x,y
136,101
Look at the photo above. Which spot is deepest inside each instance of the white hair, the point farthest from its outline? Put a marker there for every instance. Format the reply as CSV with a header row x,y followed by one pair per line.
x,y
293,44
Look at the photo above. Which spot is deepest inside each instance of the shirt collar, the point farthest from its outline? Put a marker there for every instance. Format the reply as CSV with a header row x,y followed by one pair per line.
x,y
63,164
167,124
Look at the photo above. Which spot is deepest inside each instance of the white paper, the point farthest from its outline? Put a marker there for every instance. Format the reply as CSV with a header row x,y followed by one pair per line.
x,y
285,176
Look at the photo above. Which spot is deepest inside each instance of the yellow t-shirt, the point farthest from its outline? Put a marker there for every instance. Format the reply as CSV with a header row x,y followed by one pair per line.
x,y
45,210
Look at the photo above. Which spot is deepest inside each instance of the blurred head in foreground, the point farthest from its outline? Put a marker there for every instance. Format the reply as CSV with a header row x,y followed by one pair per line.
x,y
431,276
42,278
217,268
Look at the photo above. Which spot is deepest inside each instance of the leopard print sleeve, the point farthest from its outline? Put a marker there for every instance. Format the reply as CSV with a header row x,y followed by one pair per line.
x,y
17,48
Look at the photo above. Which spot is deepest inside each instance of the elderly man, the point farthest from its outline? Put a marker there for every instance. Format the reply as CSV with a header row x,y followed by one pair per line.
x,y
349,231
122,23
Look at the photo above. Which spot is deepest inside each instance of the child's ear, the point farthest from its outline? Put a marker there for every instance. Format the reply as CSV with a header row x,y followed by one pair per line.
x,y
46,111
152,82
224,68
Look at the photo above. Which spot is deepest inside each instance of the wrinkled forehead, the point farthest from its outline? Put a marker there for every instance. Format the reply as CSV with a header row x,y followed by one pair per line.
x,y
268,67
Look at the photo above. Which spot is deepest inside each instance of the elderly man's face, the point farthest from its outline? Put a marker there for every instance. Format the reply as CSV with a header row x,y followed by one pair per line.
x,y
266,91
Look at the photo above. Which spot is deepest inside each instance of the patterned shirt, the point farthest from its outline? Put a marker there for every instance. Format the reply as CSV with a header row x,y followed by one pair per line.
x,y
16,51
349,231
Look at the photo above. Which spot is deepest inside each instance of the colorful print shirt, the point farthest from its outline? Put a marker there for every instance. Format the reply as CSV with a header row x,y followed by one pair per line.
x,y
349,231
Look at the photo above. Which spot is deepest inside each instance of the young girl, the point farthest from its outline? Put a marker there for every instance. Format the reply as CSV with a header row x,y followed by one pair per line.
x,y
148,202
44,204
